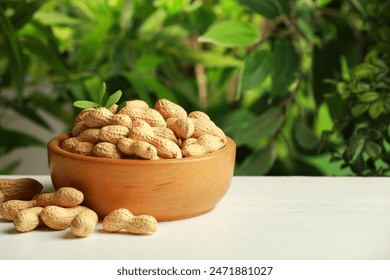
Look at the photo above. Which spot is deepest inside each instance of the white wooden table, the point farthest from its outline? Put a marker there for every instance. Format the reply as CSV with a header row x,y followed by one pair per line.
x,y
268,218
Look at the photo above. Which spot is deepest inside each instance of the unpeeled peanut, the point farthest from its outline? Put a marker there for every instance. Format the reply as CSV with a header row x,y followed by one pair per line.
x,y
165,147
113,133
122,119
82,115
28,219
137,103
64,197
203,126
182,127
140,149
106,150
168,109
22,188
98,117
90,135
151,116
1,198
199,115
123,219
165,132
84,223
74,145
203,145
59,218
10,208
78,128
165,127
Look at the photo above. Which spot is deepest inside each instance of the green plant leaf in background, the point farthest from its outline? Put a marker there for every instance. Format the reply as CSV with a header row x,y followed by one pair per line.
x,y
139,85
232,33
372,149
376,109
15,50
45,53
255,129
267,8
208,58
152,25
258,163
286,64
50,105
12,139
305,136
258,65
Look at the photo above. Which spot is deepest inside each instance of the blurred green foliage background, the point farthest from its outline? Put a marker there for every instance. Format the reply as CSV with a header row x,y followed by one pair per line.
x,y
303,87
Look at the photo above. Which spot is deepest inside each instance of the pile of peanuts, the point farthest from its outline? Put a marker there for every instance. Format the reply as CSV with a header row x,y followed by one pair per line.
x,y
23,203
138,131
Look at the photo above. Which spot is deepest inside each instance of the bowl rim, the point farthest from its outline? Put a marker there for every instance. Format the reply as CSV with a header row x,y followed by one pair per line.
x,y
54,147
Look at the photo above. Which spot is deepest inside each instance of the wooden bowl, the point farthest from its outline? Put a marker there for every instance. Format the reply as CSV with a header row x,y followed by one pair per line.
x,y
168,189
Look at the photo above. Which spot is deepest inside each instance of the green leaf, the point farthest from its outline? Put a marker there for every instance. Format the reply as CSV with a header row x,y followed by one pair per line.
x,y
372,149
12,139
359,109
305,136
258,65
51,18
207,58
322,3
235,119
93,86
102,93
148,62
250,132
267,8
161,91
152,24
344,69
286,64
45,53
90,47
85,104
355,148
14,51
51,106
359,164
369,96
376,109
25,12
232,33
113,99
258,163
364,70
139,86
184,86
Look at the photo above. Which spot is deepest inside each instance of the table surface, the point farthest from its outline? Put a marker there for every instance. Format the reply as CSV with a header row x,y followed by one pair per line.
x,y
268,218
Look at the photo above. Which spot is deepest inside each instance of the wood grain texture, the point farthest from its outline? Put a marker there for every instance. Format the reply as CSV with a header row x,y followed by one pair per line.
x,y
168,189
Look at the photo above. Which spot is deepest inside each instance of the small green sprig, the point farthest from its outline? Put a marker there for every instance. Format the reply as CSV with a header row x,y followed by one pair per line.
x,y
103,99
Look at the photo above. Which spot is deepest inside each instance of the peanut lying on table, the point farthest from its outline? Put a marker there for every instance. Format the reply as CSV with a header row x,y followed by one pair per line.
x,y
122,219
61,209
165,127
22,188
